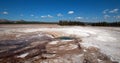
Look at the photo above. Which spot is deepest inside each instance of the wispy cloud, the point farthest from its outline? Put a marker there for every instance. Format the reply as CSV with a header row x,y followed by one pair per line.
x,y
59,15
5,12
70,12
117,17
110,11
32,15
106,16
43,16
114,10
47,16
105,11
78,18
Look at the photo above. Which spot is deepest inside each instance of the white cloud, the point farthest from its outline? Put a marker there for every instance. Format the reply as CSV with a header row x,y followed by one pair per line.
x,y
49,16
78,18
43,16
114,11
106,16
110,11
5,12
105,11
70,12
59,15
32,15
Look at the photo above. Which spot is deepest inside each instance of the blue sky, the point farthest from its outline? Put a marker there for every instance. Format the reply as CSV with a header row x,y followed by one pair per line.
x,y
55,10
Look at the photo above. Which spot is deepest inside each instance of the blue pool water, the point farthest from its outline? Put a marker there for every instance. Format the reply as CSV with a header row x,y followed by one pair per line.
x,y
65,38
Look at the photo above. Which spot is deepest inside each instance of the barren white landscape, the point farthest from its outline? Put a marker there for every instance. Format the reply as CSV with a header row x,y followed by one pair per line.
x,y
106,39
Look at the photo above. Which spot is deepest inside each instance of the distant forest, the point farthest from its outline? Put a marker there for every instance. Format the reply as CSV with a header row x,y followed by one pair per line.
x,y
64,23
77,23
4,21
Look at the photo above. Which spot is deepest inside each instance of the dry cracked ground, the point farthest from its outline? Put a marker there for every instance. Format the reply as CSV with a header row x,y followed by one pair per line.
x,y
59,44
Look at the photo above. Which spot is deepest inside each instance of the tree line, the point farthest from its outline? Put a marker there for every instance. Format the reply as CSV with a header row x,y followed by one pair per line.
x,y
24,22
76,23
64,23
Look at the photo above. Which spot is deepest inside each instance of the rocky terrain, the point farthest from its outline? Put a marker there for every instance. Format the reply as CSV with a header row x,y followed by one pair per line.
x,y
59,44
